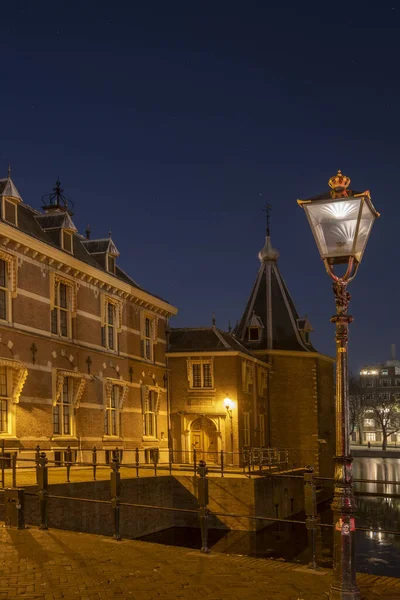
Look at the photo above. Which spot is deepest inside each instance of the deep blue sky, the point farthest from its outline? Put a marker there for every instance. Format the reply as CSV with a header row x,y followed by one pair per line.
x,y
172,123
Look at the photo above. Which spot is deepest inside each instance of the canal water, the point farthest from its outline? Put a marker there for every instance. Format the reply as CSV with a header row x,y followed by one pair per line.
x,y
376,552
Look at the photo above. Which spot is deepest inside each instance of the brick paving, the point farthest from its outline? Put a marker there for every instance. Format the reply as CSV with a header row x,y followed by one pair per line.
x,y
54,564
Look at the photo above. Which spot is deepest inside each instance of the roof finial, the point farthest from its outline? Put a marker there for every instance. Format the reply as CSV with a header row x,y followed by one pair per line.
x,y
214,321
9,171
109,234
88,232
267,210
229,326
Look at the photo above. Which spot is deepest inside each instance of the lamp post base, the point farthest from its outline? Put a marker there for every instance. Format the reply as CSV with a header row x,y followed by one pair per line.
x,y
343,594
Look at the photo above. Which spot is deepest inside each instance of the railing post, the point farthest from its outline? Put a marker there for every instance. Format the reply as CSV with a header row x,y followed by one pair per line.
x,y
203,505
287,459
68,455
94,462
222,463
115,480
310,506
43,481
14,469
194,462
2,462
170,456
244,461
155,460
137,461
14,508
249,462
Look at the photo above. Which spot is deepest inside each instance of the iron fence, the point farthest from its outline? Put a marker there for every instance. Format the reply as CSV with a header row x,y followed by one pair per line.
x,y
14,500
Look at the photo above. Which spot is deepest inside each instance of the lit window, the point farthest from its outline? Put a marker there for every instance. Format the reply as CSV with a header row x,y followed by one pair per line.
x,y
384,372
67,240
61,313
111,414
150,414
369,422
370,436
63,411
246,429
261,429
4,401
201,374
254,334
110,263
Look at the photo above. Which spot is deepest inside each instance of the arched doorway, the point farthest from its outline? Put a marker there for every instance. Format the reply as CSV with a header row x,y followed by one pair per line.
x,y
203,437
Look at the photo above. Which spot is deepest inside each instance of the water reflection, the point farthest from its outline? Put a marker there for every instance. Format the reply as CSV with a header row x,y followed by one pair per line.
x,y
376,552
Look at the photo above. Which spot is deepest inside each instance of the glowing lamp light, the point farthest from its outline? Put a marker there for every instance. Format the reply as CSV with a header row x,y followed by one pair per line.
x,y
228,403
341,222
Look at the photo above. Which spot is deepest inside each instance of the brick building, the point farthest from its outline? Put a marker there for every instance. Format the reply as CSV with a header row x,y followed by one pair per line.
x,y
281,389
82,351
216,385
301,404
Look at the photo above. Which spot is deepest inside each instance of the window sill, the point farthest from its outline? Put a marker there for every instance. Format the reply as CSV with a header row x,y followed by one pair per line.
x,y
202,390
64,438
112,438
150,438
8,436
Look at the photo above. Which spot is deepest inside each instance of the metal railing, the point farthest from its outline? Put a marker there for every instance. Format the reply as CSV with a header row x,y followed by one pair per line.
x,y
14,501
139,462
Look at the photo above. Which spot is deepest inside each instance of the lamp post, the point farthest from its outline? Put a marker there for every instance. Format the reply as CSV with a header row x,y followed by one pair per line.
x,y
229,406
341,221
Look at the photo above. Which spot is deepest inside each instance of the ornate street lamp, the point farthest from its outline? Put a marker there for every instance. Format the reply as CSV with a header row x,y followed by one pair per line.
x,y
341,221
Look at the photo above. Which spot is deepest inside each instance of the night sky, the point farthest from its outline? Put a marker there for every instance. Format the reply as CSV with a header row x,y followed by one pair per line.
x,y
173,123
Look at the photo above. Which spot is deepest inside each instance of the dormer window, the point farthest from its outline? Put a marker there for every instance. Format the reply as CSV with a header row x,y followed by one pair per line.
x,y
254,334
66,240
10,212
111,263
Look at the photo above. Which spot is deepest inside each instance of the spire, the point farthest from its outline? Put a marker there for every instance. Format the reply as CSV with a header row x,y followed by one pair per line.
x,y
270,320
7,187
268,253
214,321
9,171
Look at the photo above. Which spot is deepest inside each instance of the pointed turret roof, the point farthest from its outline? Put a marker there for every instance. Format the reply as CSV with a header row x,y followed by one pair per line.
x,y
271,308
8,189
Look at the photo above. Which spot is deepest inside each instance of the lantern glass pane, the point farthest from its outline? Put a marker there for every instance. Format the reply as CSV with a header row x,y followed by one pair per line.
x,y
334,225
366,222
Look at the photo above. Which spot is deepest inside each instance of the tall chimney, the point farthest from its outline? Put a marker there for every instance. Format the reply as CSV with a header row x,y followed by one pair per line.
x,y
393,351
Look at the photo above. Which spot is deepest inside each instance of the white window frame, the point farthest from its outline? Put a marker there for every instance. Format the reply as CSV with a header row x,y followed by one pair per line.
x,y
109,269
7,294
384,396
252,328
110,340
262,383
201,364
15,204
247,376
385,383
370,436
59,409
150,410
9,404
246,429
112,411
261,429
369,422
58,310
65,232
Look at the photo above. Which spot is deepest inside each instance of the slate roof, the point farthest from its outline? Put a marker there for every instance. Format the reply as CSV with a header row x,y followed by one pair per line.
x,y
101,246
7,188
271,303
33,223
204,339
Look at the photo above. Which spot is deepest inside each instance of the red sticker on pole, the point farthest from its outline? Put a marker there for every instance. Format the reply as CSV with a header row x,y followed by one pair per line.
x,y
345,527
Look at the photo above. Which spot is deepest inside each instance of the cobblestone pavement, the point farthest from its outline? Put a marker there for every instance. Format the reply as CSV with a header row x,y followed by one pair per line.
x,y
55,564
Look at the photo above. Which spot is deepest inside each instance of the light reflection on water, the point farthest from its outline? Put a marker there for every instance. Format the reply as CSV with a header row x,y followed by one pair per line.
x,y
376,552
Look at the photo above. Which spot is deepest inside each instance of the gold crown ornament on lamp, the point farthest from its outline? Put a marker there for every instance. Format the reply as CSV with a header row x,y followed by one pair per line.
x,y
339,184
